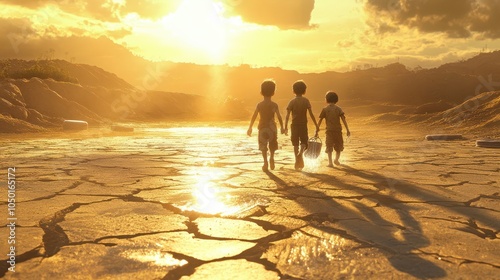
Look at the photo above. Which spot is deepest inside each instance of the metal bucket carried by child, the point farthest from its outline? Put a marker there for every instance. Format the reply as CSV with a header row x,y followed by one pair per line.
x,y
313,148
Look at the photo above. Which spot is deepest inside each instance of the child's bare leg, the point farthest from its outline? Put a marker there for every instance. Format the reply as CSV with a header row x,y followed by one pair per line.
x,y
302,149
330,163
337,156
271,160
264,156
295,152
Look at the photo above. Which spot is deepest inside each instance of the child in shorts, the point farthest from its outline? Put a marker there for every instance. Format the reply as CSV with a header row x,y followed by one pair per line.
x,y
332,114
298,108
268,134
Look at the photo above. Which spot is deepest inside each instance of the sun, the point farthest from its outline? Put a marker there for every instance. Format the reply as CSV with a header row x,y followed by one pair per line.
x,y
200,25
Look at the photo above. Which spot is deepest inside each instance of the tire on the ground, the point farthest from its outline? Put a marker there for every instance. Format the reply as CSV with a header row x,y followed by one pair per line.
x,y
75,125
443,137
488,143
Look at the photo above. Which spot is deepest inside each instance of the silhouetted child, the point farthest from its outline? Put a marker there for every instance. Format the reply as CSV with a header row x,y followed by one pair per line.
x,y
332,115
268,134
298,107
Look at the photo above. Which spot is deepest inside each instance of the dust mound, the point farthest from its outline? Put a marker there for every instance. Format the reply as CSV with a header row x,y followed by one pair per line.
x,y
478,112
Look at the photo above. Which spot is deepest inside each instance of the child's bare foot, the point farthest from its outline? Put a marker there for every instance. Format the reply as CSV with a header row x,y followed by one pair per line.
x,y
264,167
337,162
271,163
299,163
330,165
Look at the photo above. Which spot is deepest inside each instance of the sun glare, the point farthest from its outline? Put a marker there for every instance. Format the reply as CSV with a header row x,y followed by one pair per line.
x,y
200,25
208,197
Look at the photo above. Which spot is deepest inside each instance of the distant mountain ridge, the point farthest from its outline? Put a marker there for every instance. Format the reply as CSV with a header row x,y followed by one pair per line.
x,y
32,103
394,83
114,88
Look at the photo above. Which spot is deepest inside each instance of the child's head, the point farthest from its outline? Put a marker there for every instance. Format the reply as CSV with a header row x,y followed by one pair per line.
x,y
299,87
331,97
268,87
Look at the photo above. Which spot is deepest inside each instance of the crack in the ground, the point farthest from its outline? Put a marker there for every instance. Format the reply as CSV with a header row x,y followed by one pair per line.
x,y
53,238
492,196
460,260
252,255
73,186
470,227
473,228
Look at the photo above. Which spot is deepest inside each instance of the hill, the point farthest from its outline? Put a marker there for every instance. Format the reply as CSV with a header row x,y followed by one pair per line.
x,y
36,95
477,115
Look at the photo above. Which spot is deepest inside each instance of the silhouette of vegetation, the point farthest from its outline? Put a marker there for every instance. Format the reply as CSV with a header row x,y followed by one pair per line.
x,y
45,71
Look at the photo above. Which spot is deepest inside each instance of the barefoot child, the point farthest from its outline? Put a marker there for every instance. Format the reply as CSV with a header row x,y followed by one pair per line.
x,y
333,114
298,107
268,134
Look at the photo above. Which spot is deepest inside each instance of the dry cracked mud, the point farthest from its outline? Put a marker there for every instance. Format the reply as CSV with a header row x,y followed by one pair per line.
x,y
192,203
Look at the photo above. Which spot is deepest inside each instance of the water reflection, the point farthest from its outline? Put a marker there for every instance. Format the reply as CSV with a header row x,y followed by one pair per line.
x,y
194,130
320,254
155,257
210,197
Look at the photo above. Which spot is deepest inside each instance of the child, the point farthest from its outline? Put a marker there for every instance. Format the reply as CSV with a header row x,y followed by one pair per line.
x,y
298,107
333,114
268,134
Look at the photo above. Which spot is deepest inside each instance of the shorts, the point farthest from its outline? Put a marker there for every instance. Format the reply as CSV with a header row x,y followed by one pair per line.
x,y
299,135
334,141
268,136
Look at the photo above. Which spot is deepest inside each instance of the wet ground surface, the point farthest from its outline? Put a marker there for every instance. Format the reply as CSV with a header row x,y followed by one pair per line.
x,y
193,203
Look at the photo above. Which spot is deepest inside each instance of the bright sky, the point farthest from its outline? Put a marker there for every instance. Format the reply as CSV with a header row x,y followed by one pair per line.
x,y
303,35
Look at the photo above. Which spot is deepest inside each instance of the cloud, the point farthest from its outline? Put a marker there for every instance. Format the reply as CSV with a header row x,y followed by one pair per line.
x,y
455,18
13,33
285,14
152,9
17,33
102,10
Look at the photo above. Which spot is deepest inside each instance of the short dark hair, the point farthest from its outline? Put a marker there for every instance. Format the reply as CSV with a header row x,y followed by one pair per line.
x,y
299,87
268,87
331,97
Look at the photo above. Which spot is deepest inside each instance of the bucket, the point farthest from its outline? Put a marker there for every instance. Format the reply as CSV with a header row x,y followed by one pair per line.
x,y
313,148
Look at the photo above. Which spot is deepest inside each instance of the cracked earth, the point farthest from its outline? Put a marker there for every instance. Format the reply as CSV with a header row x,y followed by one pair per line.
x,y
192,203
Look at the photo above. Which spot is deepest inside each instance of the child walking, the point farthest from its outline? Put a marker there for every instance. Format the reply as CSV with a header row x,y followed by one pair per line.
x,y
332,115
298,108
268,134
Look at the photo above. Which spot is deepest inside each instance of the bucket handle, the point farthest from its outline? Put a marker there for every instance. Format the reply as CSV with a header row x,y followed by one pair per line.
x,y
315,139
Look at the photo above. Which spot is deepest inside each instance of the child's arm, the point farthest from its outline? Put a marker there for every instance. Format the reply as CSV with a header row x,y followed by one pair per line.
x,y
345,124
313,118
286,120
280,120
249,131
319,125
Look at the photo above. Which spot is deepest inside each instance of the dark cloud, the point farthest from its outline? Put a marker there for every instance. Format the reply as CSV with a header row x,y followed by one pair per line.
x,y
456,18
486,19
285,14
